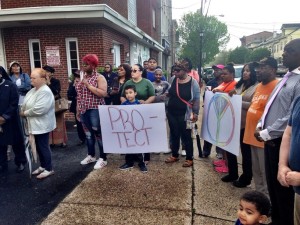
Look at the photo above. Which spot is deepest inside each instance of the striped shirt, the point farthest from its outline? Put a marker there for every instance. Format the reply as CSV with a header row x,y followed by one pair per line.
x,y
85,98
279,112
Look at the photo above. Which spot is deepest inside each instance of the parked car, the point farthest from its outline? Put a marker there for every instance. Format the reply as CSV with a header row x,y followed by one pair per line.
x,y
208,74
281,70
238,72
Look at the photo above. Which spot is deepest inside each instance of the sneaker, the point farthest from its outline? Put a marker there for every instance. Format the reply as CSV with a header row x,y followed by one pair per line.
x,y
219,156
239,184
38,171
183,153
143,168
220,162
125,167
45,174
100,164
87,160
221,169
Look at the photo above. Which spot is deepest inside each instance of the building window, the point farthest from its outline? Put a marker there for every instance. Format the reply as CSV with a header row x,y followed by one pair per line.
x,y
35,53
72,55
153,17
132,11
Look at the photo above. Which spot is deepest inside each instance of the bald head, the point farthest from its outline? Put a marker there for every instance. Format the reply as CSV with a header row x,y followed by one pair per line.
x,y
291,54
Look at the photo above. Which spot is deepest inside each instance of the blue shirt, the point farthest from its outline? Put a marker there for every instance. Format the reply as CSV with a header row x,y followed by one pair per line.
x,y
25,85
135,102
151,76
294,157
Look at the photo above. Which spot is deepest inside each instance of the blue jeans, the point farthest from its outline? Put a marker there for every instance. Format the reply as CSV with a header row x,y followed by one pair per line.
x,y
91,126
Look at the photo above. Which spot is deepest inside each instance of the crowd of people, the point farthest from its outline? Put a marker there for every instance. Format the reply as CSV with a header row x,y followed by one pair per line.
x,y
269,135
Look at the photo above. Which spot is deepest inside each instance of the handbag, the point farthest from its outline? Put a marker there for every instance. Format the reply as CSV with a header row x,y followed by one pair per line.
x,y
61,105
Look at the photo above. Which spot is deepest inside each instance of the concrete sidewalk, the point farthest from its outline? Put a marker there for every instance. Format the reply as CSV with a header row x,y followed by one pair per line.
x,y
167,194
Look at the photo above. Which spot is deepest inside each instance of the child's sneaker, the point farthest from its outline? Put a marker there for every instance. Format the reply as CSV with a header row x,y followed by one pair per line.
x,y
125,167
221,169
220,162
143,168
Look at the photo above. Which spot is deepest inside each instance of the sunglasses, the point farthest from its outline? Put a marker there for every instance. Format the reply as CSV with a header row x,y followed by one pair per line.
x,y
134,71
176,70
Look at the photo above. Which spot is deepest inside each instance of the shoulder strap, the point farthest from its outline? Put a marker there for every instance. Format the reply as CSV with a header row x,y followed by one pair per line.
x,y
177,92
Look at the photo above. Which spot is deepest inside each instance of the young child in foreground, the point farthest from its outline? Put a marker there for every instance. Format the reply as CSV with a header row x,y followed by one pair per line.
x,y
130,93
254,209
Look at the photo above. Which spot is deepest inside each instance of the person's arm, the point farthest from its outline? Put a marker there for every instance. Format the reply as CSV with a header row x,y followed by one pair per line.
x,y
151,94
101,90
196,100
283,168
27,82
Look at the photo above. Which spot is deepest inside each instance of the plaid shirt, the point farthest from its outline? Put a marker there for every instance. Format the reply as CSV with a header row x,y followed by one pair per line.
x,y
85,98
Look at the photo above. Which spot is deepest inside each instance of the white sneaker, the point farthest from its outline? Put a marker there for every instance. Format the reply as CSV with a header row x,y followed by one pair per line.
x,y
100,164
38,171
183,153
88,159
45,174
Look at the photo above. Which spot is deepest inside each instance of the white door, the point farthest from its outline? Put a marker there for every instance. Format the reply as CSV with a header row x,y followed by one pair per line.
x,y
2,55
117,55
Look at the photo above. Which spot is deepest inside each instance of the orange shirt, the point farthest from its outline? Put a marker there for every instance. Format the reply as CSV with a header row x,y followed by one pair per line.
x,y
255,111
226,87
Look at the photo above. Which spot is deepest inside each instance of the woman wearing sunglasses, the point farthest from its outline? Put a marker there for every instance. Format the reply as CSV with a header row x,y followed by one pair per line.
x,y
145,95
183,107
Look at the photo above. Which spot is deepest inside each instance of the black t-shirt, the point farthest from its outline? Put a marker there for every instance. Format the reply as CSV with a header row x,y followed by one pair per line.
x,y
175,105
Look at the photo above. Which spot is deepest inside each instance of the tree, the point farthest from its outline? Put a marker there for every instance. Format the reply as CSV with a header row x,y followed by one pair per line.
x,y
239,55
259,54
215,37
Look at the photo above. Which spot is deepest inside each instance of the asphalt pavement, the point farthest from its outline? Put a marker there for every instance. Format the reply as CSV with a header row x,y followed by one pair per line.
x,y
28,201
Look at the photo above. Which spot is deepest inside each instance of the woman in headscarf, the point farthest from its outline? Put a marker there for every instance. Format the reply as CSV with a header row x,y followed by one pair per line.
x,y
59,135
10,126
10,129
90,93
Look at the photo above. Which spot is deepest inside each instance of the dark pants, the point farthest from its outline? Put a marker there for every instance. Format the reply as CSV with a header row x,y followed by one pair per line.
x,y
246,176
19,151
131,158
207,148
3,157
80,130
43,150
282,198
178,131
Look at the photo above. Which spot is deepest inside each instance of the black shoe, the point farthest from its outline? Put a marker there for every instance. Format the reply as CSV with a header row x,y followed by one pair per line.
x,y
125,167
239,184
20,168
228,178
143,168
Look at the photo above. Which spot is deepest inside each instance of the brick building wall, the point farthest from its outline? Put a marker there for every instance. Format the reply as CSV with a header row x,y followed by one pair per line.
x,y
118,5
95,39
144,17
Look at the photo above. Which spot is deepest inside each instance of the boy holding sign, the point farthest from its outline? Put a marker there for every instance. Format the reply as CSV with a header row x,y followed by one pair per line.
x,y
130,93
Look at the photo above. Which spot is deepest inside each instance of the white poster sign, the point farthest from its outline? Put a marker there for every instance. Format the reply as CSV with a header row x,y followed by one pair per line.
x,y
133,128
52,55
221,121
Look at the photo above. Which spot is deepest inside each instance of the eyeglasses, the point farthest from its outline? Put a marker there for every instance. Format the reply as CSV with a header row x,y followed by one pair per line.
x,y
176,70
134,71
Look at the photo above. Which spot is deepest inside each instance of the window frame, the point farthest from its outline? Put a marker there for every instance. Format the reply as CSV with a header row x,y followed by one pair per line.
x,y
69,64
31,52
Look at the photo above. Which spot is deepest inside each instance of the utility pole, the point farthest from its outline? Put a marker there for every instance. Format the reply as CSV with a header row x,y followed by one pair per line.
x,y
201,42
